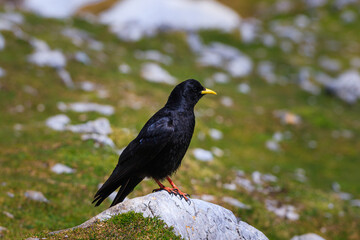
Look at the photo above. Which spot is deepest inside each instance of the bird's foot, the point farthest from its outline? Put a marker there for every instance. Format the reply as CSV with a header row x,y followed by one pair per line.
x,y
174,191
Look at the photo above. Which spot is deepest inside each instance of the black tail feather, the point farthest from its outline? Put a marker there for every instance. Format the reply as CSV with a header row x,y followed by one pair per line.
x,y
126,189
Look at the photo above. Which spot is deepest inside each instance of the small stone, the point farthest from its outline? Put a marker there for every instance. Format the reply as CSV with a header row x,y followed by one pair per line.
x,y
355,202
244,88
152,72
58,122
2,230
10,194
227,101
9,215
61,168
236,203
284,211
215,134
230,186
272,145
203,155
36,196
124,68
308,236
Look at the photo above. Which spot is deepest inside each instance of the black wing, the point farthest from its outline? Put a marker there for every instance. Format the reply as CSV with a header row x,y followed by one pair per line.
x,y
151,140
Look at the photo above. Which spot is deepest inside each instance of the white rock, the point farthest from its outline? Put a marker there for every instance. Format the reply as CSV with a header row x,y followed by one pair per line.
x,y
9,215
300,175
217,151
346,86
99,138
203,155
215,134
100,126
10,194
58,122
273,145
2,230
2,42
61,168
132,19
355,202
227,101
2,72
65,77
244,88
195,220
240,66
229,186
46,57
236,203
256,177
207,197
87,107
220,77
265,69
124,68
82,57
36,196
330,64
244,183
152,72
56,8
153,55
249,29
87,86
225,56
284,211
308,236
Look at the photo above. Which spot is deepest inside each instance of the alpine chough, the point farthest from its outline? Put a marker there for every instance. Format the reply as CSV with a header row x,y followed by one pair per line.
x,y
160,146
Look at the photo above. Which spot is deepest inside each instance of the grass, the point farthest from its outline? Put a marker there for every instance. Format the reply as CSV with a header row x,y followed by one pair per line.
x,y
27,155
129,225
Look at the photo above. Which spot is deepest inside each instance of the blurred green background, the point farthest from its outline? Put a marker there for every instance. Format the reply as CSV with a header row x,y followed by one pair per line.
x,y
281,136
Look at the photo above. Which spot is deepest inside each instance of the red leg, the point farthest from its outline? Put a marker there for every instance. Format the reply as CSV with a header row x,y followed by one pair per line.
x,y
177,190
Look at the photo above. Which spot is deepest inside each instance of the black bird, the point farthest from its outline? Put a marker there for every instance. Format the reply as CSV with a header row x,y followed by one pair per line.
x,y
160,146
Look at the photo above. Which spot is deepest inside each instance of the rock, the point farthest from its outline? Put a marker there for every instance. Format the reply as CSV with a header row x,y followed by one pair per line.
x,y
283,211
355,203
2,230
2,72
236,203
36,196
133,19
124,68
308,236
9,215
346,86
65,77
58,122
2,42
215,134
203,155
61,168
100,126
152,72
153,55
99,139
194,220
87,107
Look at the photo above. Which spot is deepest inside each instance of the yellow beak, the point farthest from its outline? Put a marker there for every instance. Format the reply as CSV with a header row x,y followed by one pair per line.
x,y
208,91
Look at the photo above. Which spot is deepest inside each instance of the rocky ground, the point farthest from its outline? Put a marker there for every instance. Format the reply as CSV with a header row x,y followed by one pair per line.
x,y
278,145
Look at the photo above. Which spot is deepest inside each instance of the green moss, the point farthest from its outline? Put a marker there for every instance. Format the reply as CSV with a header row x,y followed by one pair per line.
x,y
129,225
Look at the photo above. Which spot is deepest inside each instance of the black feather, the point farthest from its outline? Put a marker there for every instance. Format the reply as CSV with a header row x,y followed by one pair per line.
x,y
160,146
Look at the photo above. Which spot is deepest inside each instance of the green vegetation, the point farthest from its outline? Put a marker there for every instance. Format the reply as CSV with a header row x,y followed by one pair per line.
x,y
129,225
28,149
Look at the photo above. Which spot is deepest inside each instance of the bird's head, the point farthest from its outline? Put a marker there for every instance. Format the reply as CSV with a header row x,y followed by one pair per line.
x,y
187,94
